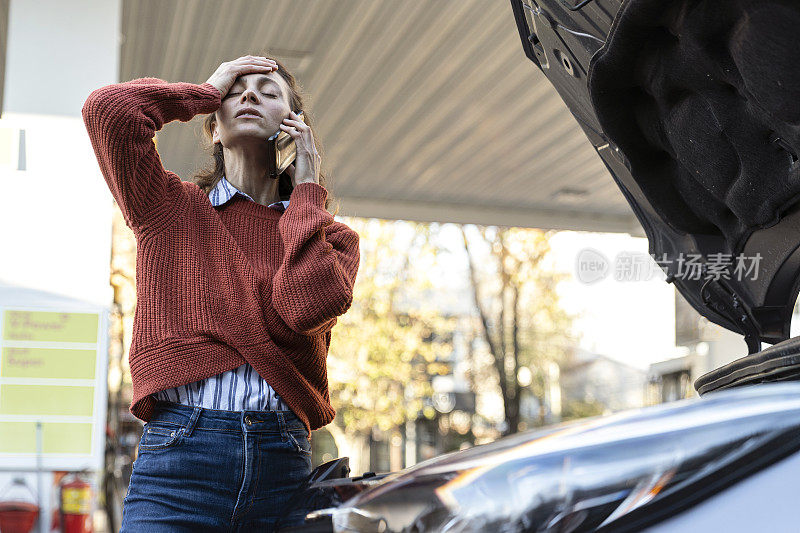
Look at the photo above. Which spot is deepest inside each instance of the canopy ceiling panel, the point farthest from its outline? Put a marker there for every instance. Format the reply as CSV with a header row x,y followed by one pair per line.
x,y
425,110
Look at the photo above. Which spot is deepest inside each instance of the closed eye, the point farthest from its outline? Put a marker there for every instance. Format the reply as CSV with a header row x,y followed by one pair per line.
x,y
268,94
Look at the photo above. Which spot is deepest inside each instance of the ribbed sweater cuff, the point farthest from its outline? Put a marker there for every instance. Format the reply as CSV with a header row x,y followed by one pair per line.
x,y
213,90
309,193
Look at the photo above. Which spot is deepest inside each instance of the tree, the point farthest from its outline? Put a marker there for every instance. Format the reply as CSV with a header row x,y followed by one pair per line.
x,y
381,357
521,321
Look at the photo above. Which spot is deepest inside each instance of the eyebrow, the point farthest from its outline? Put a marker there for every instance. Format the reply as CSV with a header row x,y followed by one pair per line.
x,y
261,80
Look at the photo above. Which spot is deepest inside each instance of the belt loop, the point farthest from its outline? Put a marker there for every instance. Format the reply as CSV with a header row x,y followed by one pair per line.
x,y
192,420
281,422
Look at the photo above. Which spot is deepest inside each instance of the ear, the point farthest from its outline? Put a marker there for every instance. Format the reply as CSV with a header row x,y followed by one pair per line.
x,y
214,133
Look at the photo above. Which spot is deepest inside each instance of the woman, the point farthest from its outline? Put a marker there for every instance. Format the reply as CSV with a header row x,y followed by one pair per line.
x,y
237,292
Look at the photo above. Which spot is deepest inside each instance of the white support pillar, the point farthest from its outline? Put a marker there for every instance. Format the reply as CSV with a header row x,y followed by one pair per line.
x,y
55,208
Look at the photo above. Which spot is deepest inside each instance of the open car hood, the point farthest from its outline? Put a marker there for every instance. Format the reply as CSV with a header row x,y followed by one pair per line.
x,y
694,107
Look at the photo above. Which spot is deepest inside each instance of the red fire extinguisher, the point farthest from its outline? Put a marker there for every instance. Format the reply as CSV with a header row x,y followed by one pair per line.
x,y
75,504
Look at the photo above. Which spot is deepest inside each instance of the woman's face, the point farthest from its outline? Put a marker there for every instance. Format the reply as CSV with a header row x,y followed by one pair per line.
x,y
267,94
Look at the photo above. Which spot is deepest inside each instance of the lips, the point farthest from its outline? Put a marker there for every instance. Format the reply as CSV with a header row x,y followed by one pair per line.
x,y
248,111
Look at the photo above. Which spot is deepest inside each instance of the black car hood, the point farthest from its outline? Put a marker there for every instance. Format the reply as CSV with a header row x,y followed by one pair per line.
x,y
694,107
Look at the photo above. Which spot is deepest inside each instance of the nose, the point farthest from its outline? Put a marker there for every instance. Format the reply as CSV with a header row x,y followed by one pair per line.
x,y
247,93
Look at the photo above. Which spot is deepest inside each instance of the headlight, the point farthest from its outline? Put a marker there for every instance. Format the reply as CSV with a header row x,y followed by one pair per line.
x,y
624,471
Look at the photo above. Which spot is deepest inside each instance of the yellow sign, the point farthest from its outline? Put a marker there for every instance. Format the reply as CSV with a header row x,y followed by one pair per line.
x,y
46,400
61,363
57,437
50,326
48,363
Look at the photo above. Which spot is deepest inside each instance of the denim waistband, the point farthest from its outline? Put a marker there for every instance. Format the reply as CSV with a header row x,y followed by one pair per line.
x,y
221,420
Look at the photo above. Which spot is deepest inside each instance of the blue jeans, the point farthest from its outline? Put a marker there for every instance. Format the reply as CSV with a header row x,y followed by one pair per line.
x,y
203,469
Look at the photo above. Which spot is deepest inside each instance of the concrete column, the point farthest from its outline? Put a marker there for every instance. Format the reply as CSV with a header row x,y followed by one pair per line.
x,y
411,443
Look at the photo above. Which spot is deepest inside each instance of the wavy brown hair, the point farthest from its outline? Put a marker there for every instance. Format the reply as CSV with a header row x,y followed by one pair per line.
x,y
208,177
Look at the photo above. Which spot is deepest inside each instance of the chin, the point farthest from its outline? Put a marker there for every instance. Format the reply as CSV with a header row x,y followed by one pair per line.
x,y
245,133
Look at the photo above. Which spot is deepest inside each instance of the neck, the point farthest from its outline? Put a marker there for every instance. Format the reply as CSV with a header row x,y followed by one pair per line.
x,y
246,169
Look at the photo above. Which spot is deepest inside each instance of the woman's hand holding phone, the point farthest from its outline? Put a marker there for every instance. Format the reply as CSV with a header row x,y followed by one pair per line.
x,y
225,75
305,168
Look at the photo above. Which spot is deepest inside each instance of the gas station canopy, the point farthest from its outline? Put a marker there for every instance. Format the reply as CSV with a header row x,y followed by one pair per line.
x,y
425,111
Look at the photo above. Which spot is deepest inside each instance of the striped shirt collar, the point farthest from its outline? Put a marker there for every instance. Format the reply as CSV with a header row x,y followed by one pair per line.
x,y
224,191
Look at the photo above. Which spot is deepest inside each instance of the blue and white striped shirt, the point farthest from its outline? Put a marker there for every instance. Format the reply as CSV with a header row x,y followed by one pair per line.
x,y
239,389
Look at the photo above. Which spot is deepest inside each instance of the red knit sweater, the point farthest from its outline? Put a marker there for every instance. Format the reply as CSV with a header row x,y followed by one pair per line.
x,y
219,287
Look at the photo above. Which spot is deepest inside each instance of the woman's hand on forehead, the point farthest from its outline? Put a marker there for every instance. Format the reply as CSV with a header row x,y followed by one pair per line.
x,y
229,72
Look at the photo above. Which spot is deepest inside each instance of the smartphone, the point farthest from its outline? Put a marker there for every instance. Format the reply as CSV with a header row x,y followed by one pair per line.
x,y
283,150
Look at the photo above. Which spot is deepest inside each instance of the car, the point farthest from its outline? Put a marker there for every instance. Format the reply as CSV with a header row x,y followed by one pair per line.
x,y
690,104
669,467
